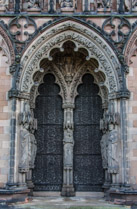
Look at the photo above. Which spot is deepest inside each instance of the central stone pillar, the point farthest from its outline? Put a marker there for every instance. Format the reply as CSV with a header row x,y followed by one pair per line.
x,y
68,142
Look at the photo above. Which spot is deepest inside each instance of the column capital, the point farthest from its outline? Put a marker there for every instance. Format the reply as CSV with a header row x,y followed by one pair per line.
x,y
68,105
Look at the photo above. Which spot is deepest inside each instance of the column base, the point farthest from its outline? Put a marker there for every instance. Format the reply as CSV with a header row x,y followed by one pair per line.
x,y
122,196
106,186
15,195
68,191
30,187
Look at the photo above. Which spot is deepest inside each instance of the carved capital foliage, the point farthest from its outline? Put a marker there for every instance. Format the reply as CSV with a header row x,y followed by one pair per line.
x,y
14,93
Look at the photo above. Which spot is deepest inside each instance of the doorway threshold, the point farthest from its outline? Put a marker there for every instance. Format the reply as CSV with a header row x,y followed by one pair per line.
x,y
78,194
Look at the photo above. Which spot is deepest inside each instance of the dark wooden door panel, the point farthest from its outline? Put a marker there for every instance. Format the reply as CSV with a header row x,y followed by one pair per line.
x,y
88,171
48,171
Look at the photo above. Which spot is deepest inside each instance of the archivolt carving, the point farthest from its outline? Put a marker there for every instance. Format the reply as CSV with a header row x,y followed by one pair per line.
x,y
68,68
83,37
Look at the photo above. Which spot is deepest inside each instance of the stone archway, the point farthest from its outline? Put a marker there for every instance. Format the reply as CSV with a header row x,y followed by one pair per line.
x,y
50,53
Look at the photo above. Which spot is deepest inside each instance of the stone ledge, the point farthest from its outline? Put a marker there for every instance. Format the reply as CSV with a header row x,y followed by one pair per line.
x,y
12,196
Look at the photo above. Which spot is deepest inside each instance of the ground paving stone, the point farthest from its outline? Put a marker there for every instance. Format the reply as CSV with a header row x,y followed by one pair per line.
x,y
66,203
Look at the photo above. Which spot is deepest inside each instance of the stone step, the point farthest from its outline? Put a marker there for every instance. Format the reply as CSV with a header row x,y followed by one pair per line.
x,y
78,194
90,194
46,194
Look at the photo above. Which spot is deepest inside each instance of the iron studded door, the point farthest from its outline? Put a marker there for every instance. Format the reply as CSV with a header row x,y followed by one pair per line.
x,y
48,171
88,171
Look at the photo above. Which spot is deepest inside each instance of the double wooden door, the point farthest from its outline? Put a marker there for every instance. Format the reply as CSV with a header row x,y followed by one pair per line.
x,y
48,171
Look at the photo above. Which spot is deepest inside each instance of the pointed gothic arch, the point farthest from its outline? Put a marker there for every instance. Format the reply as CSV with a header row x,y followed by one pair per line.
x,y
97,58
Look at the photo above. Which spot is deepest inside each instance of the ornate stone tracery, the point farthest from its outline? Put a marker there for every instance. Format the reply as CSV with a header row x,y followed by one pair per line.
x,y
81,42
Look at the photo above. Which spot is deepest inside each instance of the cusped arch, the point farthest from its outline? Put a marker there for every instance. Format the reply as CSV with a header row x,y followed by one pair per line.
x,y
83,37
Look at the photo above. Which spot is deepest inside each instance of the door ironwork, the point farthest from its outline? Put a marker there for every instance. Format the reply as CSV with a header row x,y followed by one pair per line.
x,y
88,171
48,171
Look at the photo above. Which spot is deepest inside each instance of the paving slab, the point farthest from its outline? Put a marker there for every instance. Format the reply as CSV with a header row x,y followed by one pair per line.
x,y
65,203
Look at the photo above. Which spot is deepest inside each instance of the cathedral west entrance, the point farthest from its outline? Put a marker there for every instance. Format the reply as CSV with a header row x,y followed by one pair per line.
x,y
71,129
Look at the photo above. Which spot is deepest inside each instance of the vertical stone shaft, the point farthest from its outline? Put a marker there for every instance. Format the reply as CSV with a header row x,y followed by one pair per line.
x,y
68,141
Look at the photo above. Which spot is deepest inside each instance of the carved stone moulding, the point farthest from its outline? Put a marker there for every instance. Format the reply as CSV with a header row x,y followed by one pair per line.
x,y
82,37
131,48
68,90
6,45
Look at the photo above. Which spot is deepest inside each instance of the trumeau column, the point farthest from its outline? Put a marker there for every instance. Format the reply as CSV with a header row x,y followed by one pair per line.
x,y
68,141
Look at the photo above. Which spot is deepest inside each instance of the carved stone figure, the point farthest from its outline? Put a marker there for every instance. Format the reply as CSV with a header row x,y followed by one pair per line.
x,y
113,166
92,5
28,145
127,5
32,4
104,150
51,6
24,151
4,5
66,3
68,154
100,4
32,150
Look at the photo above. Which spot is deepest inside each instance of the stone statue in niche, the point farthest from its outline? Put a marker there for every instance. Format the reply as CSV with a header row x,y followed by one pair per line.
x,y
104,150
113,166
100,4
28,145
130,5
51,6
104,4
24,150
32,150
66,3
4,4
32,4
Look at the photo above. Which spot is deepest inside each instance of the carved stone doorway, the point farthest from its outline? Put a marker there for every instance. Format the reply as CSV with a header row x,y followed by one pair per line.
x,y
65,142
48,171
88,170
